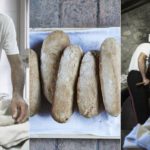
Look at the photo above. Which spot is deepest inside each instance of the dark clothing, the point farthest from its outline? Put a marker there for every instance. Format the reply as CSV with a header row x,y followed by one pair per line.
x,y
124,96
139,95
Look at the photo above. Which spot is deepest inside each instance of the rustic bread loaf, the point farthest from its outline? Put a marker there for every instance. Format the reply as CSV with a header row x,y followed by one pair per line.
x,y
62,106
52,49
87,89
109,71
34,95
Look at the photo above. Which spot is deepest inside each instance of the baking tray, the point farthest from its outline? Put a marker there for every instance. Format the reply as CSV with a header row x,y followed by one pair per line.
x,y
102,126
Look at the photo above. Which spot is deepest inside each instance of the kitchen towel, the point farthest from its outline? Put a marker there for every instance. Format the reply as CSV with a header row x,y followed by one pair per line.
x,y
139,137
102,125
22,146
11,134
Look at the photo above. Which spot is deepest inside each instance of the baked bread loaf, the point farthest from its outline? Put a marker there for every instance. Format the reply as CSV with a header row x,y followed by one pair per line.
x,y
34,95
87,89
62,106
52,49
109,72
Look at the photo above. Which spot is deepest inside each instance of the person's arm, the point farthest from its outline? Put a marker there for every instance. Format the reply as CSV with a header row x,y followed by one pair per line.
x,y
142,68
18,105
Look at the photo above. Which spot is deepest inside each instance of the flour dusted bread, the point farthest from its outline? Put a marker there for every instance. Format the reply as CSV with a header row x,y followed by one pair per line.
x,y
34,83
65,86
109,71
52,49
87,89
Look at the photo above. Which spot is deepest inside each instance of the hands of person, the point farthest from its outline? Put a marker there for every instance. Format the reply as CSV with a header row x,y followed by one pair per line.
x,y
146,81
19,109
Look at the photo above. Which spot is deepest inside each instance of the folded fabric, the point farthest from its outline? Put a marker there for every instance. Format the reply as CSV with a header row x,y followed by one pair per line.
x,y
22,146
5,115
139,137
4,104
11,134
144,139
6,120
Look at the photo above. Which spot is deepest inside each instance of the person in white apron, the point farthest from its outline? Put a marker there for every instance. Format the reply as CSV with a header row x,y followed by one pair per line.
x,y
8,43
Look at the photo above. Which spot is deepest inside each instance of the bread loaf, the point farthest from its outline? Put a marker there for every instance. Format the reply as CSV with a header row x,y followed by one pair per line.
x,y
34,95
109,72
52,49
62,106
87,89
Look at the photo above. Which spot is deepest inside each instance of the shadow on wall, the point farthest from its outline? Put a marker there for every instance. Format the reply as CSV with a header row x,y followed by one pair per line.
x,y
135,30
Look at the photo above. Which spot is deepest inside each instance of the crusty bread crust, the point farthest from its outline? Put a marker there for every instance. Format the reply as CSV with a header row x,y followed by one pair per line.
x,y
34,83
109,72
62,106
52,49
87,88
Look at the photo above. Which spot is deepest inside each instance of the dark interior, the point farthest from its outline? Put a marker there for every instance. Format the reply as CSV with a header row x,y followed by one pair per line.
x,y
128,5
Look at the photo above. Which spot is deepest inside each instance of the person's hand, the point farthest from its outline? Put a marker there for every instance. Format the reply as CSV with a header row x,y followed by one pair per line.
x,y
146,81
19,109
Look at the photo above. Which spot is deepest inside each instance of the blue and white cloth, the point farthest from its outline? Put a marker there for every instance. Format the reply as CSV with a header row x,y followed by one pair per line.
x,y
139,137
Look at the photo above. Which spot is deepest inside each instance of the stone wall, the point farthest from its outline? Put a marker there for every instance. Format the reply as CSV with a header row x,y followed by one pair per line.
x,y
135,30
74,13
